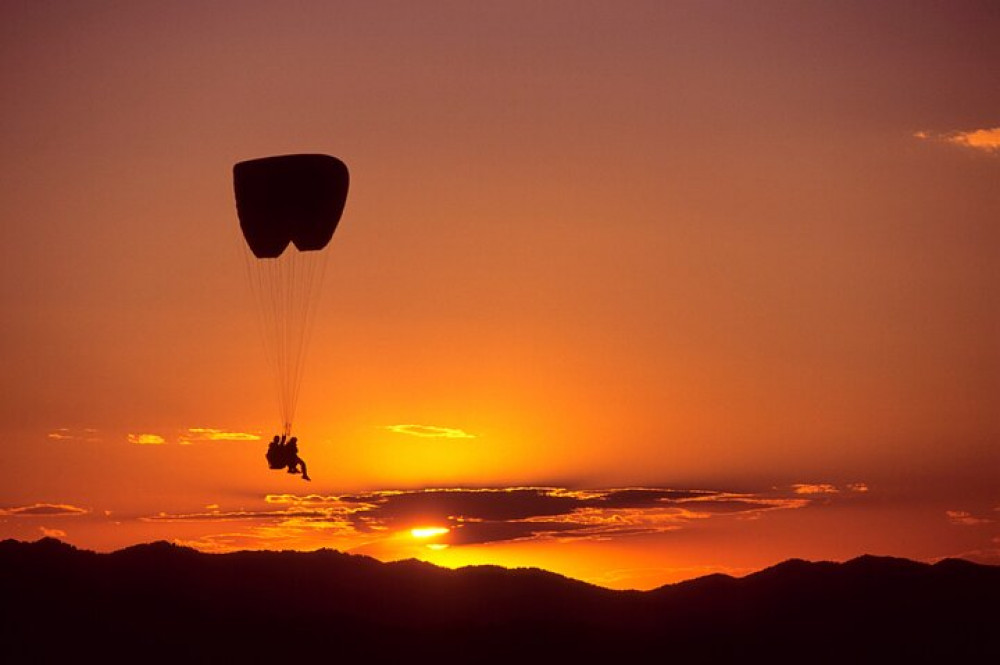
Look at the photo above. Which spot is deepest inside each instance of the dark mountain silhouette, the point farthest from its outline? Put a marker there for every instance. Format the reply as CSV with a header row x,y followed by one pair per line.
x,y
160,602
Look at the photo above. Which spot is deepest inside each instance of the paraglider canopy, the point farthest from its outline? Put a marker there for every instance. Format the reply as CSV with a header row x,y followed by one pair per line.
x,y
286,199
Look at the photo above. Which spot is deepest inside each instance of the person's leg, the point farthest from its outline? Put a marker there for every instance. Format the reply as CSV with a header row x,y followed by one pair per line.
x,y
305,475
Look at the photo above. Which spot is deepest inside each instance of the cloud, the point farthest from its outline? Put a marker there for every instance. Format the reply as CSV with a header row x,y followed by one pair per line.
x,y
233,516
298,499
963,518
52,533
637,497
146,439
500,504
827,488
430,431
742,503
821,488
313,512
252,539
986,140
196,434
46,509
481,533
87,434
473,516
980,139
989,556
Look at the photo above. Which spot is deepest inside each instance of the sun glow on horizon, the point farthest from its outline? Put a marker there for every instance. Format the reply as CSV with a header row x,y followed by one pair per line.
x,y
428,531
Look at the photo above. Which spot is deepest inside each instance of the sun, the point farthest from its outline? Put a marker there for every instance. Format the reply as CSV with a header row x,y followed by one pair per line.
x,y
428,531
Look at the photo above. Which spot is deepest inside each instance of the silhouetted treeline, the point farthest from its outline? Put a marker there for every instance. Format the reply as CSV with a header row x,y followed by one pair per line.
x,y
160,603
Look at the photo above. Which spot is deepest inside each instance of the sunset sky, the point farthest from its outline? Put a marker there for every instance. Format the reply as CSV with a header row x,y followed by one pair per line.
x,y
631,291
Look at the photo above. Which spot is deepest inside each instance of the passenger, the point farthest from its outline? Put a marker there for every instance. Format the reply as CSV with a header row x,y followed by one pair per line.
x,y
293,459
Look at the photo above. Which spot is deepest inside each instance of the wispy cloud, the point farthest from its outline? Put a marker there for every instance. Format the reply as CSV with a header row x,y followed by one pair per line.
x,y
430,431
828,488
196,434
987,140
43,509
52,533
146,439
821,488
980,139
964,518
306,499
87,434
193,435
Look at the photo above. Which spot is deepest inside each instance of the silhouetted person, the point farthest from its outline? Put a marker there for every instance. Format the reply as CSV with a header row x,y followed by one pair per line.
x,y
294,461
275,455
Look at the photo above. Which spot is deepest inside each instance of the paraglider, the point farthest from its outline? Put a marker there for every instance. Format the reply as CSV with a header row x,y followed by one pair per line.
x,y
281,454
289,207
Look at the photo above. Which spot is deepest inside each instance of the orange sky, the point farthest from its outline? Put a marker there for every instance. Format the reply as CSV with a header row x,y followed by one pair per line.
x,y
740,249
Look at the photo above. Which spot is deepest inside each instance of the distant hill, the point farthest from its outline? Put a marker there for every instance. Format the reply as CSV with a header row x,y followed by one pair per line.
x,y
163,603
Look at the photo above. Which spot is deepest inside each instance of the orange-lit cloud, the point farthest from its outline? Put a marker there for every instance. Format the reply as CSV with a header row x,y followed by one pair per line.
x,y
146,439
46,509
827,488
822,488
88,434
742,504
987,140
215,543
195,434
242,515
980,139
964,518
430,431
462,516
297,499
52,533
294,524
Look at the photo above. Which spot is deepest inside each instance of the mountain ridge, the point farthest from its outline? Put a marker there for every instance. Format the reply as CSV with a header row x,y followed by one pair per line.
x,y
167,601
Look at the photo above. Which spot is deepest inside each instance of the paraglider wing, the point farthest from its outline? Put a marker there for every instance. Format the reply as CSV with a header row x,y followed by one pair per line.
x,y
289,199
